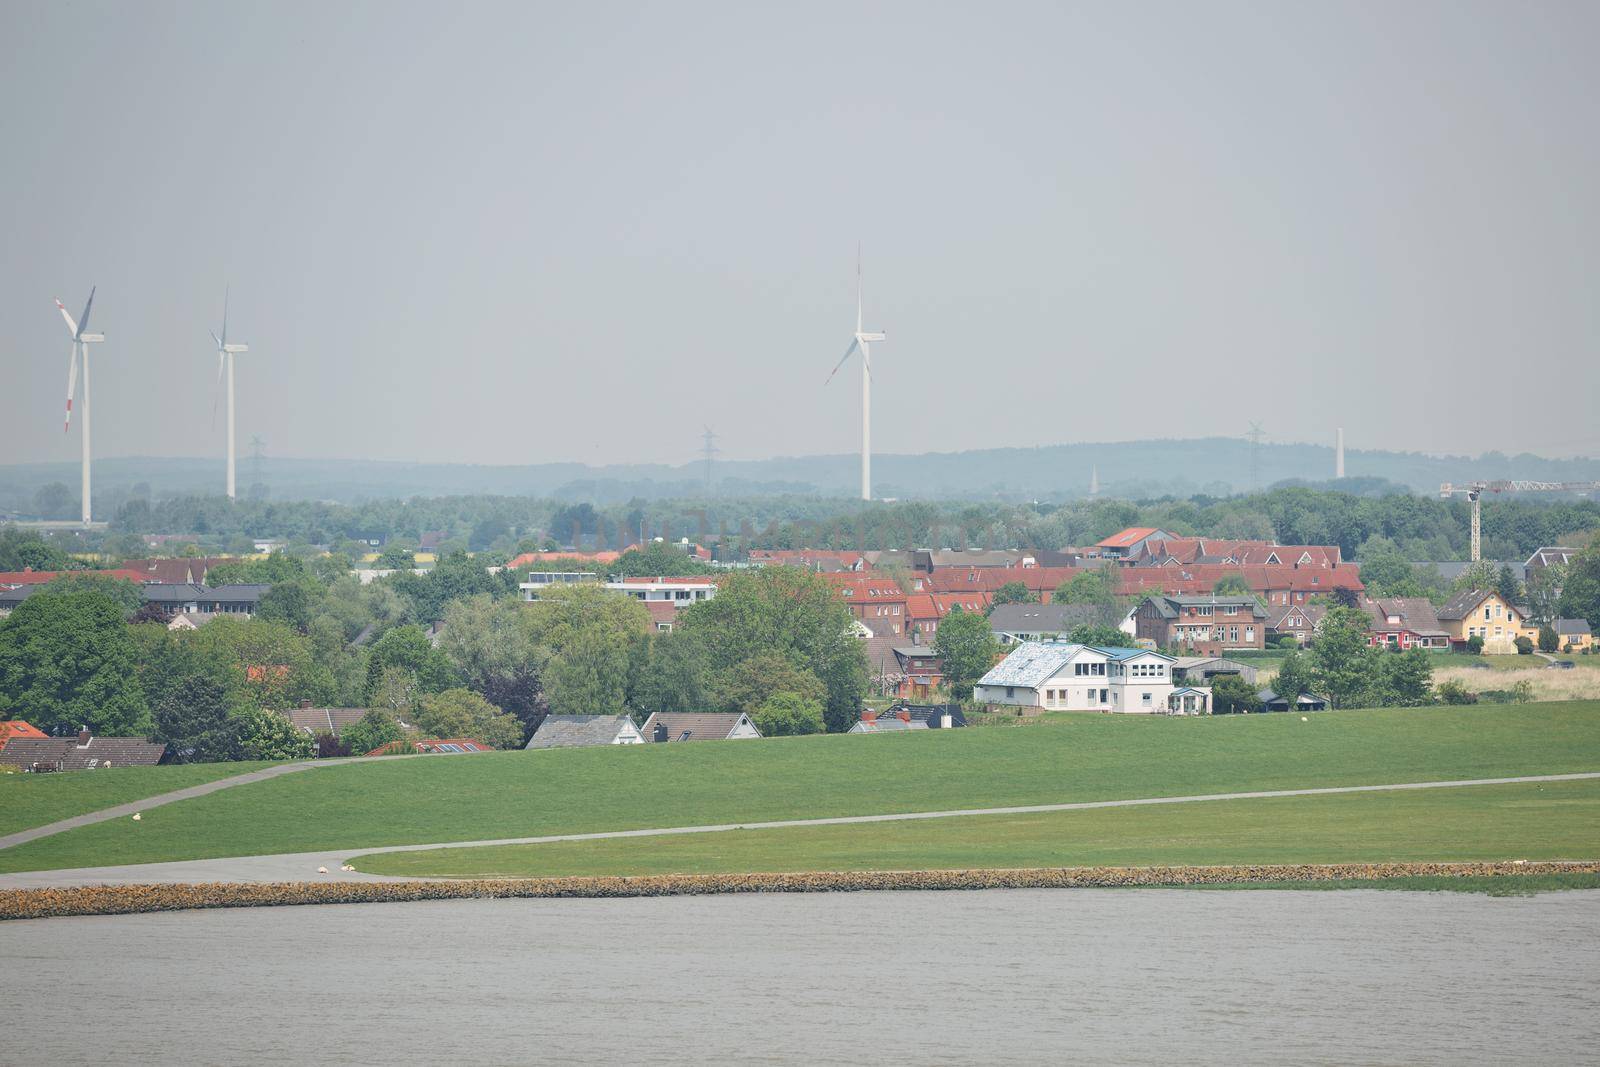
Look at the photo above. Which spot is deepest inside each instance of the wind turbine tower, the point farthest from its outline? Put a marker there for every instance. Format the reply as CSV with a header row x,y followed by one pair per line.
x,y
81,340
862,341
225,354
1338,454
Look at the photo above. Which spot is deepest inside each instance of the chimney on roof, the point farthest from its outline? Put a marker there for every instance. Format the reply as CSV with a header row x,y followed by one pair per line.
x,y
84,737
305,703
659,734
868,715
904,715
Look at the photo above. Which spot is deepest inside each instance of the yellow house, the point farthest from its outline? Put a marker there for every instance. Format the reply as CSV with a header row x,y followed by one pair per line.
x,y
1484,613
1574,634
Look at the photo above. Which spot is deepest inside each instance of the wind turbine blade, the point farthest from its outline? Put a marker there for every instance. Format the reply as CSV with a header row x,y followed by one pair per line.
x,y
72,386
858,287
83,320
72,327
215,338
847,352
866,360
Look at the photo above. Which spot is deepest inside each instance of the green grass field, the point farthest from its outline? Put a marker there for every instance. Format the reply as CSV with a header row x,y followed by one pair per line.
x,y
29,800
1559,820
524,794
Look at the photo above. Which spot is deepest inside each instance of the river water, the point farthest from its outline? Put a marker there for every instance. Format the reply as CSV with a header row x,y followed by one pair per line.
x,y
999,976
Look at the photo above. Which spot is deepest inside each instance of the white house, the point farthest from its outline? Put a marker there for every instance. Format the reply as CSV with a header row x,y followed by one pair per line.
x,y
1057,676
679,591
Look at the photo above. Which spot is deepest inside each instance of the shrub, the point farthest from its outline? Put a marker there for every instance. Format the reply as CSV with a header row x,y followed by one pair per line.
x,y
1524,646
1230,694
1475,645
377,727
329,746
1453,692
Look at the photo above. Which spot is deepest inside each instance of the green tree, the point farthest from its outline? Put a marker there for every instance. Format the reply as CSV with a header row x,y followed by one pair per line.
x,y
1344,660
966,648
1231,694
1549,640
1580,594
288,602
1012,593
409,648
494,650
267,735
747,685
658,560
373,730
1296,675
191,698
1407,678
1232,585
125,593
794,613
66,661
271,663
1100,636
1506,584
590,675
785,714
1388,573
463,713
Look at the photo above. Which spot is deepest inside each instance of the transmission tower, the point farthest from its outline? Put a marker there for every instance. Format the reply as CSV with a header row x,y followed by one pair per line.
x,y
710,450
1255,435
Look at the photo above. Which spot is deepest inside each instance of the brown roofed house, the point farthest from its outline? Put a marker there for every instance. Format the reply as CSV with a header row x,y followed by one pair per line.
x,y
698,726
81,753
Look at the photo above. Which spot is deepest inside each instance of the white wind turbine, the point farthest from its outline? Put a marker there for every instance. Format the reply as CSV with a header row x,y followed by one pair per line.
x,y
225,354
81,340
863,342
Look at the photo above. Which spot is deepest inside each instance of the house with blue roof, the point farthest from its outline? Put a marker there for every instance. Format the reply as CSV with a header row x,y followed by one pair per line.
x,y
1059,676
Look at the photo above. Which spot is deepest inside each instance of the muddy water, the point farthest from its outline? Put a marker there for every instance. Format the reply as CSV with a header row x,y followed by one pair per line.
x,y
1021,976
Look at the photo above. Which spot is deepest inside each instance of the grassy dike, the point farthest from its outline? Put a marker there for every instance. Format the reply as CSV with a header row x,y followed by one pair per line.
x,y
1544,821
518,794
29,800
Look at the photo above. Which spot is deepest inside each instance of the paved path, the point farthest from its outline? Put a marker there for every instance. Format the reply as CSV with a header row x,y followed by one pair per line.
x,y
302,866
125,810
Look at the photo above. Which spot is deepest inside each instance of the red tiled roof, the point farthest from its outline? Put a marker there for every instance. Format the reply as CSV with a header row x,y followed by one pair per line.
x,y
16,728
1131,536
432,744
9,579
661,611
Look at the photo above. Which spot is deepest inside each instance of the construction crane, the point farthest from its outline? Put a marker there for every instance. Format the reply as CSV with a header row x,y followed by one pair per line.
x,y
1475,490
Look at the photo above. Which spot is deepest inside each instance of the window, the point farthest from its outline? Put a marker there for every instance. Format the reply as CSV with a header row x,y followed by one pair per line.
x,y
1144,698
1250,634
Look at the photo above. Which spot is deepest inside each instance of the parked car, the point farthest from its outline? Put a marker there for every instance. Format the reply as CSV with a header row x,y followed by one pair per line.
x,y
1559,665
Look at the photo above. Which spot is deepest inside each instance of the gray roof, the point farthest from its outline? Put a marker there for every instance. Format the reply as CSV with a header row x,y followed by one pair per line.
x,y
175,592
1312,613
575,731
1465,602
235,594
1041,618
323,720
1416,614
1572,627
1451,569
1168,605
699,726
72,756
1030,664
13,597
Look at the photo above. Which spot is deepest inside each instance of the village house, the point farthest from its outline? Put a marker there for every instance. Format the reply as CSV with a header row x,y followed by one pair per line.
x,y
877,601
889,722
1013,624
1057,676
1204,624
662,727
1404,623
920,669
1299,621
16,728
1574,635
1484,613
1131,542
432,746
330,721
81,753
579,731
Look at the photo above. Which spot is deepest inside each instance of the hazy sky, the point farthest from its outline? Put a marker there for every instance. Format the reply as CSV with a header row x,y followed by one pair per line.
x,y
522,233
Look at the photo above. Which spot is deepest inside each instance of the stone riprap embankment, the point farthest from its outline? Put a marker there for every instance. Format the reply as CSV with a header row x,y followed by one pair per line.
x,y
130,899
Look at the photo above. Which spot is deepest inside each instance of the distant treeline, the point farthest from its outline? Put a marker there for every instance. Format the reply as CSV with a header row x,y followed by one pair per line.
x,y
1137,470
1422,528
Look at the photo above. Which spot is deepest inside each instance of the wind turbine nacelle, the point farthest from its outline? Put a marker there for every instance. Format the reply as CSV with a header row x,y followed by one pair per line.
x,y
91,338
872,337
236,348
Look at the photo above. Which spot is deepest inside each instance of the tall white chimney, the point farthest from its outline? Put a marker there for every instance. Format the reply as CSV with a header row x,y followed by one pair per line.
x,y
1338,455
